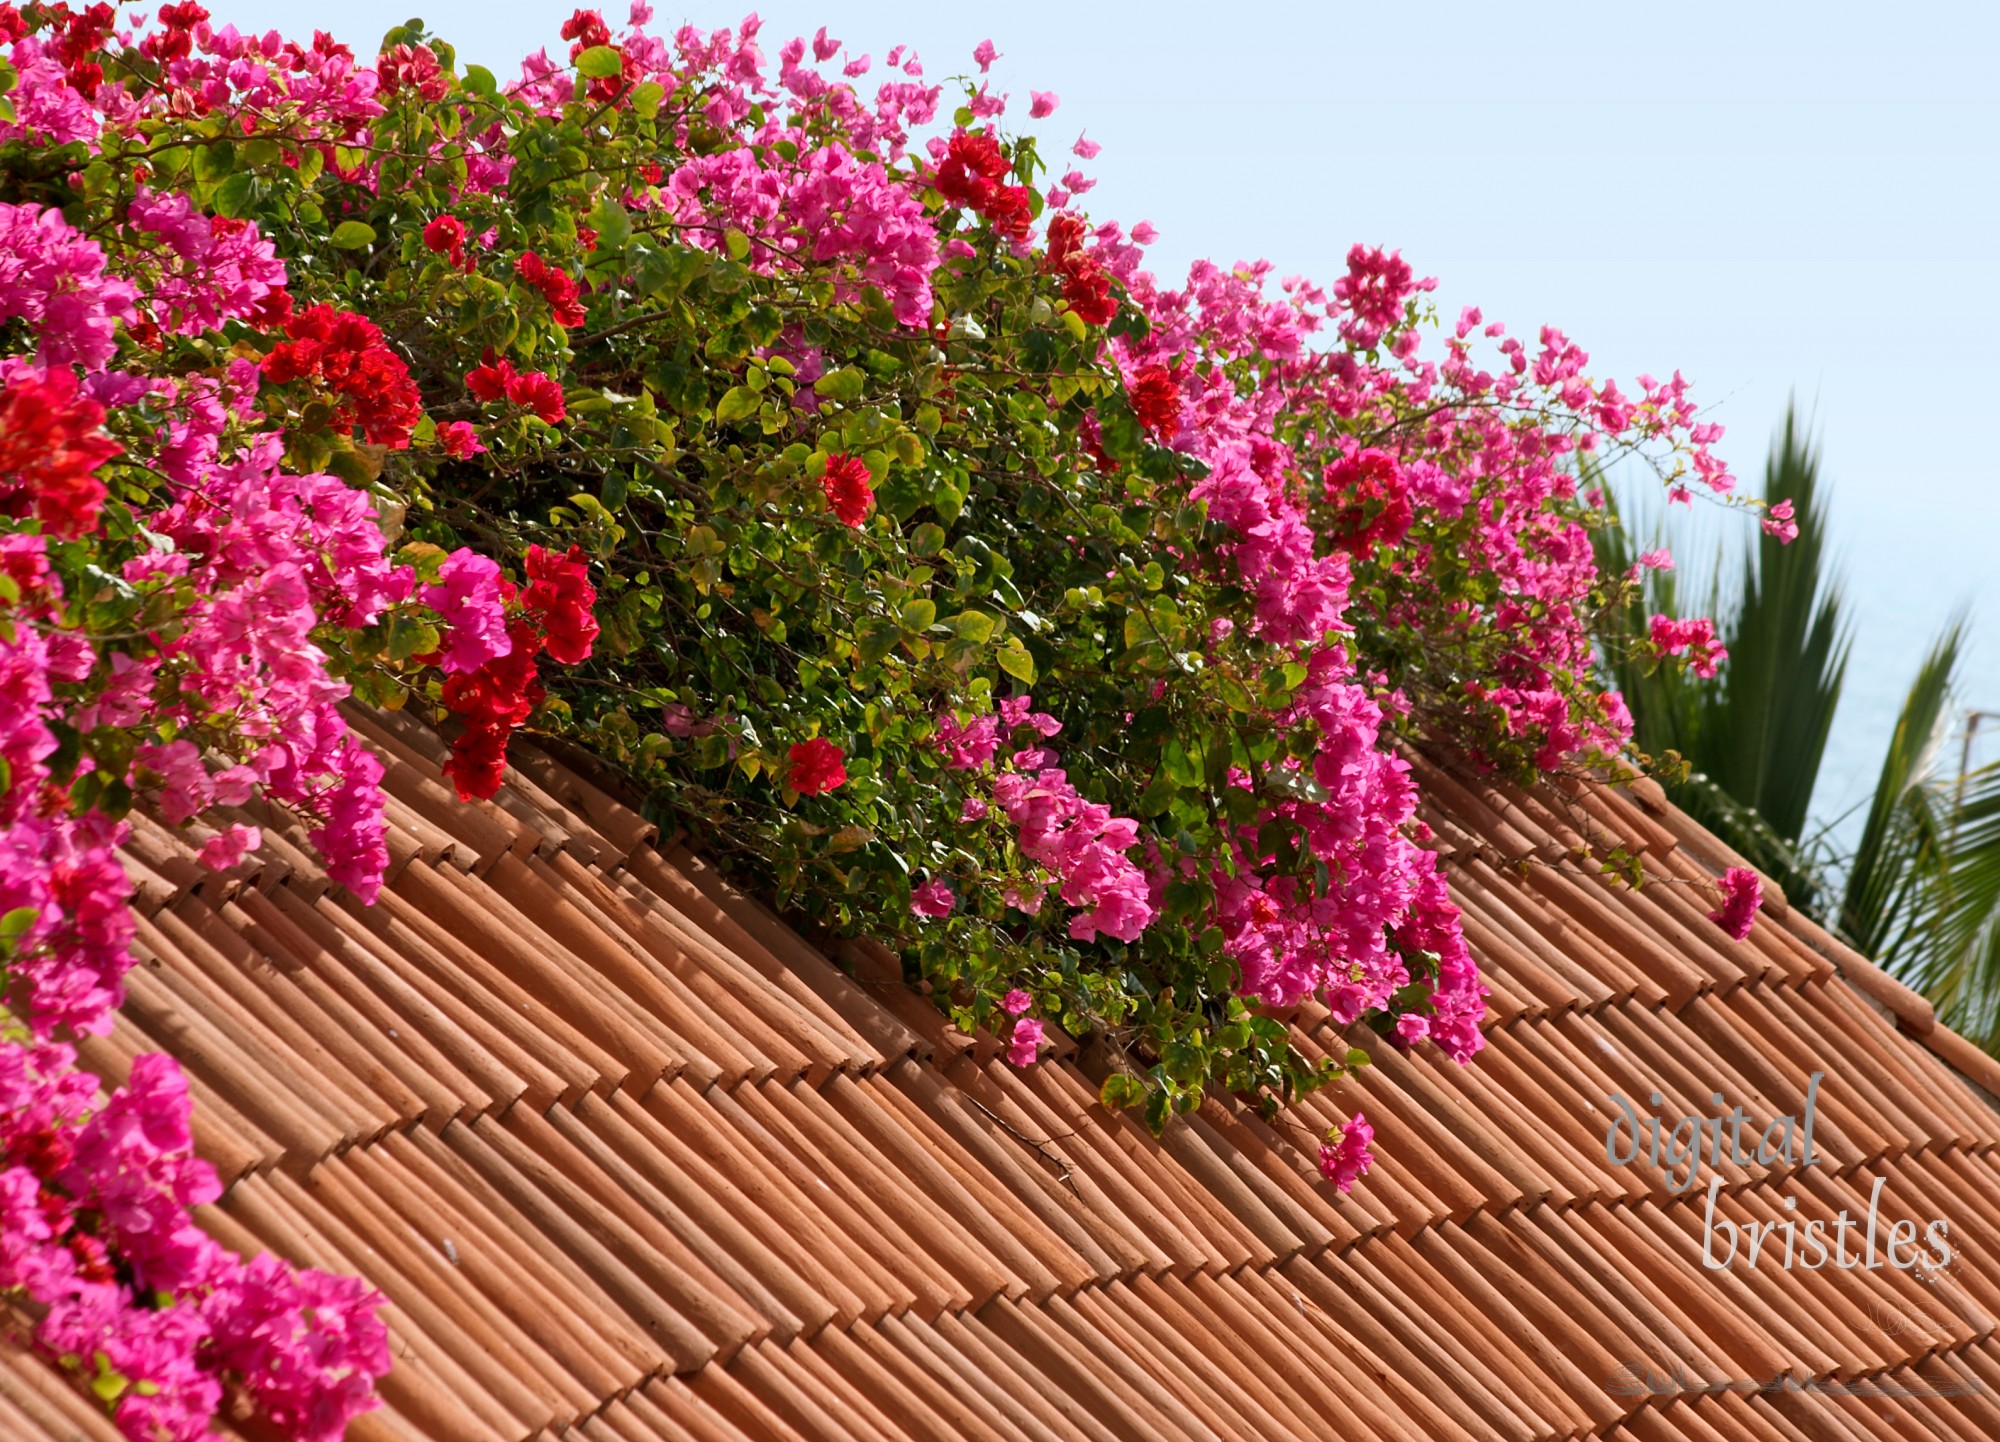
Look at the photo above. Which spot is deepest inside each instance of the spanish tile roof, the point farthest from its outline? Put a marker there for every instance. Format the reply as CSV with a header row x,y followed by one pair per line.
x,y
632,1161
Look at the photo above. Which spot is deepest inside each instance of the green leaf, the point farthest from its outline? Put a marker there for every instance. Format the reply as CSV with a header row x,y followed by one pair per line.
x,y
1120,1090
879,636
1016,662
235,196
737,243
353,235
646,98
738,403
844,385
657,269
410,637
14,925
109,1383
613,224
600,62
918,615
479,80
974,626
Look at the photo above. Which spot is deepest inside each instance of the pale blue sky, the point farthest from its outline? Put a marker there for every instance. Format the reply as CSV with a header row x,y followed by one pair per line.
x,y
1770,197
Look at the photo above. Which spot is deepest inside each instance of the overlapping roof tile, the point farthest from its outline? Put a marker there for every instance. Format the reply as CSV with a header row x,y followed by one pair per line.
x,y
632,1160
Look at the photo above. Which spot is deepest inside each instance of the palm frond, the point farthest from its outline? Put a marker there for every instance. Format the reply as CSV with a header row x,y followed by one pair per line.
x,y
1755,737
1901,827
1764,728
1957,964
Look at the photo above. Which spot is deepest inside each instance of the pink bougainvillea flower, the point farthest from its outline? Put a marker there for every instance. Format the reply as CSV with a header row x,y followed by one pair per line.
x,y
933,899
1742,894
1015,1002
1779,525
1695,636
224,849
1045,103
1025,1043
460,440
817,767
983,52
1348,1160
467,599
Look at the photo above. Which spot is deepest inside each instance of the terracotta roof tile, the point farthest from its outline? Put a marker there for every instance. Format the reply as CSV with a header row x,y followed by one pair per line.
x,y
633,1161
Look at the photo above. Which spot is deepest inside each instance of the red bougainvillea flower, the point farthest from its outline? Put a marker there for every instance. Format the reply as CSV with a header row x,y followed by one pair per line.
x,y
51,443
586,30
345,354
1373,498
973,166
540,393
174,40
497,380
560,595
817,767
413,67
972,174
846,485
446,236
1156,400
1011,211
1742,894
1086,284
489,380
1347,1161
556,286
492,701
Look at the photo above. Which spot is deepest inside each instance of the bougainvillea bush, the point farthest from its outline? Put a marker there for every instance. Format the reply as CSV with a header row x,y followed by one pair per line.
x,y
780,429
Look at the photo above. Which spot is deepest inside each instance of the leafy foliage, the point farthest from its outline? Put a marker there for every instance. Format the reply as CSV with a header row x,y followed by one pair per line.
x,y
810,459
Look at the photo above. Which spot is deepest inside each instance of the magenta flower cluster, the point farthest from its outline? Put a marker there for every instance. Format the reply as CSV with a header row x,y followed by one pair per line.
x,y
1078,848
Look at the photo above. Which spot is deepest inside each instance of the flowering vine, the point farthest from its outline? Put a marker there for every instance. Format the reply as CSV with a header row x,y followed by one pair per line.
x,y
797,443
